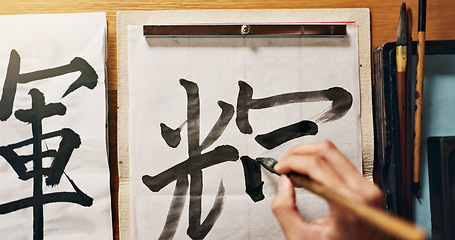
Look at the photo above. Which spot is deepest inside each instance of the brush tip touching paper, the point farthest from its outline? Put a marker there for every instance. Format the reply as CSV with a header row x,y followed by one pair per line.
x,y
268,163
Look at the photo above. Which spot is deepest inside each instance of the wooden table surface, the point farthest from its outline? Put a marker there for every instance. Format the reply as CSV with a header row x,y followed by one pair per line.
x,y
384,18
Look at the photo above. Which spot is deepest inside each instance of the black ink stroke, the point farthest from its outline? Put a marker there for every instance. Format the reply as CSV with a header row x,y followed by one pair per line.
x,y
189,175
192,167
70,141
35,116
341,103
227,112
175,209
77,197
193,113
88,78
285,134
253,178
340,98
197,230
171,136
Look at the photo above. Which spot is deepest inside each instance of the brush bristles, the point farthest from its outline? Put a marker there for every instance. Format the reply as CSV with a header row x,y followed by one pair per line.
x,y
268,163
402,35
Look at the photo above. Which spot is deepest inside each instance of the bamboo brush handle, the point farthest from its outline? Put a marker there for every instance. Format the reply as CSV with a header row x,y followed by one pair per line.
x,y
387,223
418,105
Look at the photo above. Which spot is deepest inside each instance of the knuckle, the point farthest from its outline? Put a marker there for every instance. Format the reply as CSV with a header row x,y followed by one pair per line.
x,y
327,145
295,149
313,161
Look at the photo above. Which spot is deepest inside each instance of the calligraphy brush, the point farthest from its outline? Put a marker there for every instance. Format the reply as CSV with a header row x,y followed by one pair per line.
x,y
419,97
402,96
401,56
409,130
390,224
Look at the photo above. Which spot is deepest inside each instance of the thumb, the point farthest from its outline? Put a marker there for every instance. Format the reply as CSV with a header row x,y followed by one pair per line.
x,y
285,210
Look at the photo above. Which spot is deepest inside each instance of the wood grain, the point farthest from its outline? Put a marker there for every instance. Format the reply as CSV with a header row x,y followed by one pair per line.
x,y
384,18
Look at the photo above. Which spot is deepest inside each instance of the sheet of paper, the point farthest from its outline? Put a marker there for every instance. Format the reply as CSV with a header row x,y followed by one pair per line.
x,y
200,111
53,152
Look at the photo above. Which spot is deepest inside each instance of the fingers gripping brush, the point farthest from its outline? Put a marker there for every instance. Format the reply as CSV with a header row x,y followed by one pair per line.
x,y
396,226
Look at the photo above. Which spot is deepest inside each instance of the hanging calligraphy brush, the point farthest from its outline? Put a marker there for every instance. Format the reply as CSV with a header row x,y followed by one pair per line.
x,y
419,96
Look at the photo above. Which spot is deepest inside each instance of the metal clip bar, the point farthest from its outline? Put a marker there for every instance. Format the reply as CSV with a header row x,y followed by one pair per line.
x,y
246,30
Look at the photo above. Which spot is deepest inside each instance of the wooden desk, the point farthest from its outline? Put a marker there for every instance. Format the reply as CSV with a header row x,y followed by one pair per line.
x,y
384,19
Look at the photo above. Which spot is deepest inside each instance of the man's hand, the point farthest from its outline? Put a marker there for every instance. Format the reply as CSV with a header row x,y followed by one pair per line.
x,y
325,164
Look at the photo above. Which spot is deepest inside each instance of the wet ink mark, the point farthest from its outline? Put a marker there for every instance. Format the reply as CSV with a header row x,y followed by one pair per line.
x,y
341,103
253,178
34,116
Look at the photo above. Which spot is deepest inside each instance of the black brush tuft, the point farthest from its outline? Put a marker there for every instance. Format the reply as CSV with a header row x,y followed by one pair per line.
x,y
402,37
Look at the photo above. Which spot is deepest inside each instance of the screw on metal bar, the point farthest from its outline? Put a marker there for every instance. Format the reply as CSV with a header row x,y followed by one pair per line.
x,y
245,29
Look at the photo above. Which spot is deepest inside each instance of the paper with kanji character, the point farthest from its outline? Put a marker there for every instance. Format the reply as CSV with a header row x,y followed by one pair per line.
x,y
201,110
53,151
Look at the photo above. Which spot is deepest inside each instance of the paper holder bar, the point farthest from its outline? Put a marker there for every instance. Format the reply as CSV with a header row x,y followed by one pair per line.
x,y
246,30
